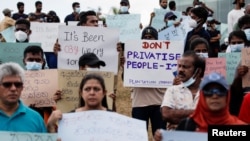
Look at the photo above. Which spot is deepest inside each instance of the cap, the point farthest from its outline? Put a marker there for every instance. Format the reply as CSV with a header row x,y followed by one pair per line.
x,y
6,11
125,1
214,77
170,15
90,59
150,30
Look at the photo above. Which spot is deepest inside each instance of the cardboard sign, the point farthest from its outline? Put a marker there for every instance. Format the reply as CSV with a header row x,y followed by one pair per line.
x,y
216,65
245,54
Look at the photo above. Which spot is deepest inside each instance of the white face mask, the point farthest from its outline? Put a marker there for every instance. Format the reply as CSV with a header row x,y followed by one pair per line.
x,y
170,23
247,32
33,66
77,9
236,47
92,69
21,36
192,23
203,55
190,81
124,9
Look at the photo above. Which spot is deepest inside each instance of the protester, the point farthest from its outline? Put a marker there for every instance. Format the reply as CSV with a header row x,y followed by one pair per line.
x,y
7,21
146,101
198,18
52,17
180,100
237,40
172,5
20,14
246,12
124,7
15,116
244,113
235,14
74,16
38,15
163,4
92,91
201,47
214,89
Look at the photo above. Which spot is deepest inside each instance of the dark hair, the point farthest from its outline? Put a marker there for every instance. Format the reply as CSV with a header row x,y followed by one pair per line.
x,y
223,46
23,21
97,77
198,41
149,30
244,20
188,9
19,4
34,50
83,17
198,61
75,4
239,34
37,3
171,5
200,12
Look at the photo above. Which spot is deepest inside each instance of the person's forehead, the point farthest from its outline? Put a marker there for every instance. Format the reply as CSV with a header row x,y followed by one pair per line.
x,y
34,55
235,38
200,46
186,60
92,17
22,26
11,78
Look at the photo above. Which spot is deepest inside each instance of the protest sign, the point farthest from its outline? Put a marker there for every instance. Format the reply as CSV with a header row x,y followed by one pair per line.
x,y
97,125
245,55
13,52
9,34
44,33
128,24
26,136
40,87
77,40
232,61
150,63
216,65
183,136
69,83
158,19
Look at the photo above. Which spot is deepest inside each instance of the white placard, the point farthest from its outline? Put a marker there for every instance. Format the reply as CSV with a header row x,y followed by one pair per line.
x,y
77,40
183,136
26,136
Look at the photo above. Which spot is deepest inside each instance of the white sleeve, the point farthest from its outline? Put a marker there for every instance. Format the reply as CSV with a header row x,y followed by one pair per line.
x,y
168,99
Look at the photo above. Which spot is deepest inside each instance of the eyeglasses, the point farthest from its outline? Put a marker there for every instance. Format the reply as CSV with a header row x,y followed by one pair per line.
x,y
216,91
9,84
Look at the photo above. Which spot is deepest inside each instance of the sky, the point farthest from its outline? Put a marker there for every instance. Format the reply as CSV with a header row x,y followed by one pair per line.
x,y
64,7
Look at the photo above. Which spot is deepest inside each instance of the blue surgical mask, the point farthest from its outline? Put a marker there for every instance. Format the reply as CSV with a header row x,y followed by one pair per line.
x,y
77,9
33,66
124,9
236,47
170,23
247,32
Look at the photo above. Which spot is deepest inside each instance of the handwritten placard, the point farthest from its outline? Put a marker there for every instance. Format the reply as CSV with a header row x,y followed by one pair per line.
x,y
13,52
77,40
69,83
149,63
216,65
158,20
39,88
26,136
183,136
44,33
128,24
72,23
9,34
97,125
232,61
245,55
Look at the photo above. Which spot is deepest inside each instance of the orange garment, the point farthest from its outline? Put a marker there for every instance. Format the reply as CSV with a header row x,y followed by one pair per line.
x,y
47,112
245,109
204,117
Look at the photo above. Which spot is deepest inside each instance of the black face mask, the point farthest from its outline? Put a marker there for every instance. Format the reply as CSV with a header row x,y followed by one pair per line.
x,y
242,4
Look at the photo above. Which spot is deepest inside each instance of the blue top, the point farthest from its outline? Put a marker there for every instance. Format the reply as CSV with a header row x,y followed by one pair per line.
x,y
23,120
70,17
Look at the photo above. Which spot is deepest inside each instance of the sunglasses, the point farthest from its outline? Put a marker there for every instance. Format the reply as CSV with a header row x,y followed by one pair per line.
x,y
216,91
9,84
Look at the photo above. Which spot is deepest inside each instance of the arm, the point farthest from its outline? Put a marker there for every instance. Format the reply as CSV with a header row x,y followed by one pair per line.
x,y
52,121
174,115
215,39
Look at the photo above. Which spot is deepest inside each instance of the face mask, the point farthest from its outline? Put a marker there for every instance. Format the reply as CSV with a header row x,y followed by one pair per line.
x,y
92,69
236,47
124,9
202,55
77,9
192,23
33,66
170,23
242,4
21,36
247,32
190,81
